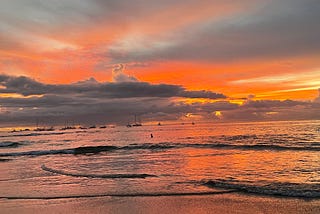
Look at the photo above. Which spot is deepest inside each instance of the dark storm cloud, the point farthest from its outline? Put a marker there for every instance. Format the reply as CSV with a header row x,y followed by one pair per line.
x,y
91,88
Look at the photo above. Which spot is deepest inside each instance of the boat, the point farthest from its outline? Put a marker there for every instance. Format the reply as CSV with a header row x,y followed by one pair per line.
x,y
38,129
82,127
136,123
67,128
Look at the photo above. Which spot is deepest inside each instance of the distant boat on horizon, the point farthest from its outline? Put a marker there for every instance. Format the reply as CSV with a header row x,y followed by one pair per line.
x,y
82,127
44,129
136,122
67,127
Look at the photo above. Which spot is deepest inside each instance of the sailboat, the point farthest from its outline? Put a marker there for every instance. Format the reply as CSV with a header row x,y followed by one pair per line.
x,y
67,127
136,123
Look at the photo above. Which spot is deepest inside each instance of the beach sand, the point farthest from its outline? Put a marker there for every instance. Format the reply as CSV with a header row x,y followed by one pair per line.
x,y
224,203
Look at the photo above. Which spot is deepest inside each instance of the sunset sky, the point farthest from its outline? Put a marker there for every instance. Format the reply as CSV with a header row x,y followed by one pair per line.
x,y
102,61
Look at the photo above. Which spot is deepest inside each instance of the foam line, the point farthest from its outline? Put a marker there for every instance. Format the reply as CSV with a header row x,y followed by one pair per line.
x,y
273,189
110,176
174,194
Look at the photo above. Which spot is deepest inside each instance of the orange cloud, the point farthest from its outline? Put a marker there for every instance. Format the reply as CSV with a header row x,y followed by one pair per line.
x,y
201,45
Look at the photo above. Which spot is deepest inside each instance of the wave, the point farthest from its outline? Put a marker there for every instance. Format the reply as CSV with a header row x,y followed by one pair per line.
x,y
93,149
274,189
74,151
10,144
160,146
60,172
86,150
238,137
38,153
218,145
254,147
125,195
34,134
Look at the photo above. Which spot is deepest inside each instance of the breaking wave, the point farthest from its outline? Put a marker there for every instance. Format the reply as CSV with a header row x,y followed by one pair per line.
x,y
33,134
255,147
160,146
4,160
275,189
93,149
38,153
218,145
61,172
75,151
9,144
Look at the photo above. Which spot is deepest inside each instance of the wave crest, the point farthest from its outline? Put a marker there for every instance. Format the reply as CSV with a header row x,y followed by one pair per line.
x,y
110,176
10,144
160,146
275,189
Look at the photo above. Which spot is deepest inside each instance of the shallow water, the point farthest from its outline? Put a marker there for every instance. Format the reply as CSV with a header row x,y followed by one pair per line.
x,y
274,158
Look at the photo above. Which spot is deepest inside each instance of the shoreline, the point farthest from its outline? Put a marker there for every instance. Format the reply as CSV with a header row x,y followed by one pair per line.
x,y
217,203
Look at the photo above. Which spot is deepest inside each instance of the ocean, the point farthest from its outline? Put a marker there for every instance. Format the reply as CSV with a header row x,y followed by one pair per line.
x,y
274,159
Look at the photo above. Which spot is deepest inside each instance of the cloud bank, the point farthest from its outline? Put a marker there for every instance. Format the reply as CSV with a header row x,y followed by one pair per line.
x,y
124,87
93,102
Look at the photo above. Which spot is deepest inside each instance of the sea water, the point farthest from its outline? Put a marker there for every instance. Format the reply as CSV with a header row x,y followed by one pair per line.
x,y
265,158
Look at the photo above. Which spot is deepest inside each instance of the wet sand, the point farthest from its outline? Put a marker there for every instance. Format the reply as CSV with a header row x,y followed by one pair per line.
x,y
222,203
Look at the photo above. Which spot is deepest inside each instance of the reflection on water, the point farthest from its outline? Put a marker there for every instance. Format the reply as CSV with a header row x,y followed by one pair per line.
x,y
276,158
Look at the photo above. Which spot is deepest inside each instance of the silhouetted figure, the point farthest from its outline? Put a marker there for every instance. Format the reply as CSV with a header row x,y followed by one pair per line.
x,y
151,135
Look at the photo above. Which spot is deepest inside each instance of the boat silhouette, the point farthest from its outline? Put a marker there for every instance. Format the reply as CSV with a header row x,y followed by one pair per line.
x,y
137,122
